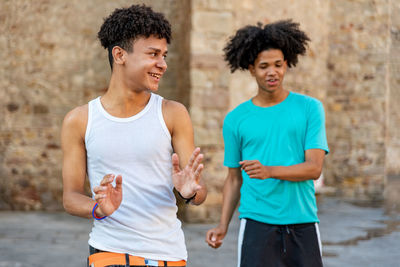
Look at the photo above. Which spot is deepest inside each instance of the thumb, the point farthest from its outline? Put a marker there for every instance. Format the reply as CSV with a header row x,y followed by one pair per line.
x,y
213,237
175,163
210,235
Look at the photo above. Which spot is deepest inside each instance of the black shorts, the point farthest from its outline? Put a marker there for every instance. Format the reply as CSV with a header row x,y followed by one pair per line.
x,y
266,245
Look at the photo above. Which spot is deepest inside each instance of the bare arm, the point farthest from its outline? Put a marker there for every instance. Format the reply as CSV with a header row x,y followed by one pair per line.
x,y
310,169
231,195
187,160
74,164
75,201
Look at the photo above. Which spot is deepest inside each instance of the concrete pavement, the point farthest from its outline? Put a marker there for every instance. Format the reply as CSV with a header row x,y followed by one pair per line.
x,y
352,236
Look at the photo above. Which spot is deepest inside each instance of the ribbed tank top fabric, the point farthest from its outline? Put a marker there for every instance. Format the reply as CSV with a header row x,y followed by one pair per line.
x,y
138,148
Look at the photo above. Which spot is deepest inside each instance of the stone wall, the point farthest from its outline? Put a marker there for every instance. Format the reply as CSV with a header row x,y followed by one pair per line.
x,y
215,90
351,66
392,187
357,98
212,22
310,74
52,62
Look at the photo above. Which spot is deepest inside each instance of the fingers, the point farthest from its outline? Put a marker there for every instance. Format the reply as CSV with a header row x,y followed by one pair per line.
x,y
213,239
244,164
255,175
102,188
118,183
197,161
197,167
105,185
198,172
99,197
248,165
99,189
100,192
195,153
253,172
210,236
175,163
252,168
107,179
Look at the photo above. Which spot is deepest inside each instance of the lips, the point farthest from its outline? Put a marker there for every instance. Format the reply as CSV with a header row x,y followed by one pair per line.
x,y
272,82
155,75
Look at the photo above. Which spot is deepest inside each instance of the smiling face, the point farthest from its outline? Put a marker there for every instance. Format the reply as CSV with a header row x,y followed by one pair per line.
x,y
269,70
143,68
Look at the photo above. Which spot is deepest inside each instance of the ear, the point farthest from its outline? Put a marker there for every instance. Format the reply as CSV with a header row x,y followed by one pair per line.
x,y
252,70
118,55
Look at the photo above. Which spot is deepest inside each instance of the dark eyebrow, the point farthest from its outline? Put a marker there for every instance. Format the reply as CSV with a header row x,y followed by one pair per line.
x,y
276,61
157,50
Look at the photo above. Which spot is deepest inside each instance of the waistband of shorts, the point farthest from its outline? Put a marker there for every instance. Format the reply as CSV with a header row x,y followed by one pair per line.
x,y
295,225
102,259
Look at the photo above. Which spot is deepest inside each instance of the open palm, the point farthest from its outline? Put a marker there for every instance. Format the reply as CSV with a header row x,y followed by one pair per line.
x,y
186,180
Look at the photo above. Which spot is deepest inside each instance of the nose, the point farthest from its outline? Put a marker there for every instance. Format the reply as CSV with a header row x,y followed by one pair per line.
x,y
162,64
271,71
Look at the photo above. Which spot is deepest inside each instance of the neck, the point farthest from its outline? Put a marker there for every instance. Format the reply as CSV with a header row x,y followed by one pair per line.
x,y
267,99
122,101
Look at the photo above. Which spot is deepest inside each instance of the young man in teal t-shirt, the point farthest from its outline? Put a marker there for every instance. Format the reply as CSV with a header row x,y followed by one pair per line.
x,y
275,144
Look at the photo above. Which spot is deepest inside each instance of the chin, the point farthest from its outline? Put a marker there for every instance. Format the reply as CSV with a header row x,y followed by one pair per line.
x,y
270,90
152,90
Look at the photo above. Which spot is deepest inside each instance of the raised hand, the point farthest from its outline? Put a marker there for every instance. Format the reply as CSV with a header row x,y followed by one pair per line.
x,y
108,197
186,180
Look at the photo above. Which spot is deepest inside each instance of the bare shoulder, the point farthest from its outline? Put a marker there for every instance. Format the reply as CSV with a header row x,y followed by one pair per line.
x,y
173,107
174,114
76,120
173,110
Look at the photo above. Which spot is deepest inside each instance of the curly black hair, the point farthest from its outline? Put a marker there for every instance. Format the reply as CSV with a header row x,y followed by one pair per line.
x,y
243,48
125,25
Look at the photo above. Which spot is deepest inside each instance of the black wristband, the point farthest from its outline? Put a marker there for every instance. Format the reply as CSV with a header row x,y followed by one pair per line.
x,y
187,200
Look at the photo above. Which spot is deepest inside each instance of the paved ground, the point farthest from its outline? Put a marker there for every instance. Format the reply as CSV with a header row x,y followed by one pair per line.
x,y
352,236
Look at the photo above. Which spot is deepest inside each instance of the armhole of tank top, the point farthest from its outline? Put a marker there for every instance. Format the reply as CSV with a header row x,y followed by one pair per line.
x,y
88,126
161,117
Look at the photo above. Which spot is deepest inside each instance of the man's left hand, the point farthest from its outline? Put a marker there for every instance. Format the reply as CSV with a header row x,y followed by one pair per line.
x,y
186,180
255,169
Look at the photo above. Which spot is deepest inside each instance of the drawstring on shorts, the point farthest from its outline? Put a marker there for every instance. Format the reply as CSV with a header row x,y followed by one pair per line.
x,y
281,230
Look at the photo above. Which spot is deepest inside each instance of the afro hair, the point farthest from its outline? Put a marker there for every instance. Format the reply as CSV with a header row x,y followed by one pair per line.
x,y
125,25
243,48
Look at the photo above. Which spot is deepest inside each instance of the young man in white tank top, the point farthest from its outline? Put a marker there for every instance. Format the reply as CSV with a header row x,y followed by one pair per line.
x,y
135,148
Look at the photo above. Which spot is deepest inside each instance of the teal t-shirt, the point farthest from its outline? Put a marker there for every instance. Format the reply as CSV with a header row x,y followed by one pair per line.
x,y
276,136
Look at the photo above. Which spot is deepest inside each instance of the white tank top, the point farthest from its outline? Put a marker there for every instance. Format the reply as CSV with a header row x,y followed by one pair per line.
x,y
139,148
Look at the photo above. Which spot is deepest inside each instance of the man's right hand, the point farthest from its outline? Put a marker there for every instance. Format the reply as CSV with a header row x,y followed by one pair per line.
x,y
215,236
108,197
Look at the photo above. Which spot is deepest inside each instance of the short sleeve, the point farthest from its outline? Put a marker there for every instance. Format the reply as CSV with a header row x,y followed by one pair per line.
x,y
316,133
232,154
